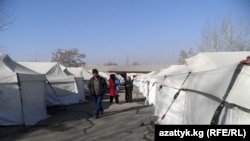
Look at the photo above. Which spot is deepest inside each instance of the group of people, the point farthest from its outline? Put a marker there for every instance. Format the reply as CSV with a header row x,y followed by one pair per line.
x,y
98,87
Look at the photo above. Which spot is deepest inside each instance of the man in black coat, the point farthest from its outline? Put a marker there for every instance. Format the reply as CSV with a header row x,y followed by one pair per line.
x,y
97,87
128,89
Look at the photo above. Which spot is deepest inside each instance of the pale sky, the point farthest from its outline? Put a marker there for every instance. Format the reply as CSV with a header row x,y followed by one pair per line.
x,y
147,31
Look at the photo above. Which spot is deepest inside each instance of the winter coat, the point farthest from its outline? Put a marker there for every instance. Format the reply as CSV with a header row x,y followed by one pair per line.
x,y
102,86
112,88
128,85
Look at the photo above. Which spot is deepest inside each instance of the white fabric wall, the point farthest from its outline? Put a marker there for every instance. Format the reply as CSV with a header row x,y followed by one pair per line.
x,y
27,105
165,96
10,105
206,90
81,87
22,107
63,94
176,110
33,101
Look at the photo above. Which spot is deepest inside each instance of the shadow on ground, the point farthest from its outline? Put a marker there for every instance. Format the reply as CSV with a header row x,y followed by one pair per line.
x,y
79,117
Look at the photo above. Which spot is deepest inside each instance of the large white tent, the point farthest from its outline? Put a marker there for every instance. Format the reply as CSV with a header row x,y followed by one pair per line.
x,y
205,91
61,88
177,104
198,63
22,94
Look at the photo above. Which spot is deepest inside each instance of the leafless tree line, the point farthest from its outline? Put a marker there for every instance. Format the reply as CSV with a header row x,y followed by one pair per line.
x,y
221,36
225,36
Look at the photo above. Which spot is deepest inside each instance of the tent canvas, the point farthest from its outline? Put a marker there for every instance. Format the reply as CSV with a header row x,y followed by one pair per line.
x,y
22,94
61,88
198,63
212,60
157,79
80,76
165,105
204,99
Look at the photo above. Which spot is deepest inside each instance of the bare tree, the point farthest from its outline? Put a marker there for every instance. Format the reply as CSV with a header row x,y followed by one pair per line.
x,y
225,36
236,36
211,38
185,54
68,57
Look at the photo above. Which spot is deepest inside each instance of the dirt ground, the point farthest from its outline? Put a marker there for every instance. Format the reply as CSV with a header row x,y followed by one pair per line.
x,y
124,122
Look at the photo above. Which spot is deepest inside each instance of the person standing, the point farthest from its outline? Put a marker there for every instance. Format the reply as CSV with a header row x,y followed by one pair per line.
x,y
128,89
113,89
97,87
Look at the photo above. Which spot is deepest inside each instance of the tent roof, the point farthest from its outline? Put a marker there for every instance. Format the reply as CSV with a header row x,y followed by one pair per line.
x,y
53,71
10,68
7,64
79,72
137,68
212,60
40,67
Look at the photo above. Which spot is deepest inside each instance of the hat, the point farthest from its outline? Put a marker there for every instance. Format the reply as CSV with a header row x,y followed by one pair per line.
x,y
95,71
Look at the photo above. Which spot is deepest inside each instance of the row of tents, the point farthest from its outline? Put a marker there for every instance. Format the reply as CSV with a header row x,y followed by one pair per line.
x,y
27,88
211,88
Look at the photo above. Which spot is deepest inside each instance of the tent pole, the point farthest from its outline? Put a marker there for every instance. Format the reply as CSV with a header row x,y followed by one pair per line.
x,y
175,96
21,99
54,91
217,113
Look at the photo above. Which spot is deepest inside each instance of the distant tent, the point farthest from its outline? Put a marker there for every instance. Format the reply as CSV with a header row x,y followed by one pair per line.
x,y
121,79
82,78
62,88
22,94
105,75
86,75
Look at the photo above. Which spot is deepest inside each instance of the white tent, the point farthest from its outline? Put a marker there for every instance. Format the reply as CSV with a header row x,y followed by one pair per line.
x,y
86,75
143,82
212,60
165,104
82,78
158,79
106,76
205,91
22,94
173,110
62,88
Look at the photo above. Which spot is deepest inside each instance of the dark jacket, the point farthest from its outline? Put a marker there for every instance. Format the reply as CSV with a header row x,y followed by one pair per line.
x,y
102,86
128,85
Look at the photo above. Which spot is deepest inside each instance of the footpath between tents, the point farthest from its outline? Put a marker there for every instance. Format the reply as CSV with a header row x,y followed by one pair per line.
x,y
123,121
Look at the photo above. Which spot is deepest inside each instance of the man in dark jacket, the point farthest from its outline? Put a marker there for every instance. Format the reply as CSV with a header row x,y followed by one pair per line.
x,y
128,89
97,87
